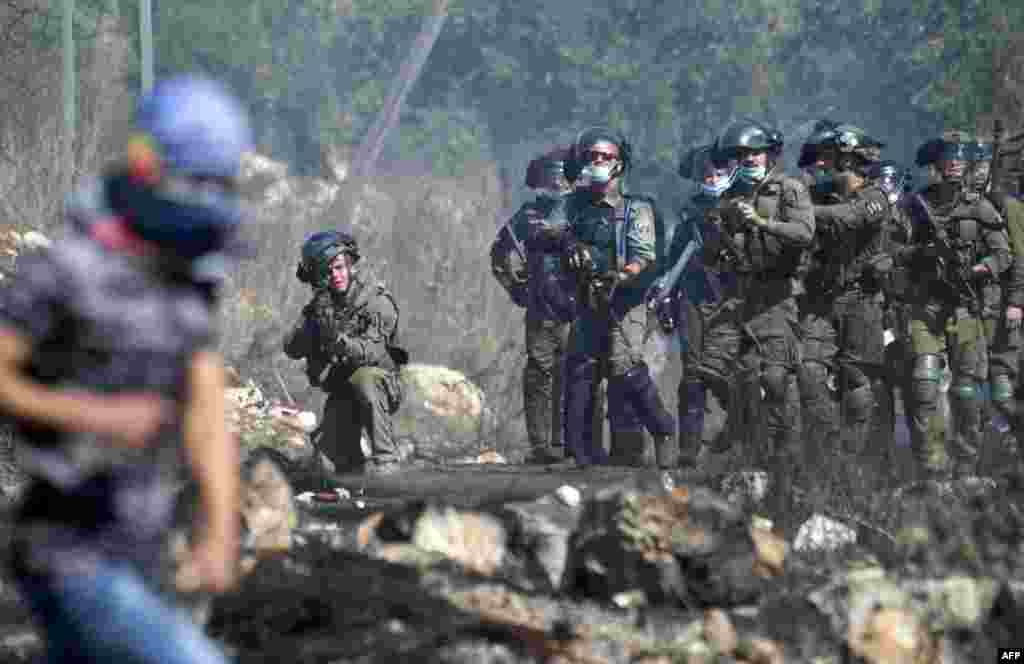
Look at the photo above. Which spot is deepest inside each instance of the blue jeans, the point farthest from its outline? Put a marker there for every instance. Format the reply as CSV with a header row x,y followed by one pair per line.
x,y
112,615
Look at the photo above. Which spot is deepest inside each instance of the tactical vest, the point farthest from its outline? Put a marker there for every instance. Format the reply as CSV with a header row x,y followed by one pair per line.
x,y
354,318
850,256
963,223
611,230
758,254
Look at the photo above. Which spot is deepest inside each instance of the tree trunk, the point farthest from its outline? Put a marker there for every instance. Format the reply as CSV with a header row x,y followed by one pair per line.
x,y
369,151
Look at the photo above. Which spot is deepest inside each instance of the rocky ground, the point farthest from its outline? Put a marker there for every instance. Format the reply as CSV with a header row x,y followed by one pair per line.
x,y
467,558
499,563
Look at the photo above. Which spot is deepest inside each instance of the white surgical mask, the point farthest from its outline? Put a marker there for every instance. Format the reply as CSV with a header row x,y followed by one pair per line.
x,y
596,174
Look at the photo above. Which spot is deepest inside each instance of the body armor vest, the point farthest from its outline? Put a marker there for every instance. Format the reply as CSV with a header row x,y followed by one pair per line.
x,y
757,253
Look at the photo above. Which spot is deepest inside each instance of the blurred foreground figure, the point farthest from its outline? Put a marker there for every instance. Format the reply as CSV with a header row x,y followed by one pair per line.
x,y
530,273
108,363
347,336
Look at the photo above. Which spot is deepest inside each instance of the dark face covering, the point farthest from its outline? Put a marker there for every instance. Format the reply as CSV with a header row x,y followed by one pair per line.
x,y
188,227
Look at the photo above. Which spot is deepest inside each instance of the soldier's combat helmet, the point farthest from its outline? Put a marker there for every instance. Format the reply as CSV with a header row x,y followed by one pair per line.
x,y
951,146
587,140
856,150
548,170
750,135
695,165
319,250
822,132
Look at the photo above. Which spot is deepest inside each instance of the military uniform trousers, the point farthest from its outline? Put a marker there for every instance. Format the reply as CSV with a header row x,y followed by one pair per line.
x,y
632,394
846,335
546,345
747,352
362,404
936,329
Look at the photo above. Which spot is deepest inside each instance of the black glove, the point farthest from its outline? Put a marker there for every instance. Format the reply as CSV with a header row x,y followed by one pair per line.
x,y
602,288
662,305
578,258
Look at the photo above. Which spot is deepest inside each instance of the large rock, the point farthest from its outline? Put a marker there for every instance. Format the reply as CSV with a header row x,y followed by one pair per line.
x,y
686,546
444,415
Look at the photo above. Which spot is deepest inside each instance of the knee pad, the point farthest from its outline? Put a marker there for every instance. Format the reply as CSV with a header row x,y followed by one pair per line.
x,y
1002,395
859,402
929,367
774,380
965,390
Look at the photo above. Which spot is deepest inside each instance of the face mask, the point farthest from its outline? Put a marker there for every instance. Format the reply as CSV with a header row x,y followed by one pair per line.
x,y
719,185
752,174
824,181
597,174
188,226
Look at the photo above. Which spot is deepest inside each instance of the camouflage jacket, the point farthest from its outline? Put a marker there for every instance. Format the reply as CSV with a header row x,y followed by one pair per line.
x,y
775,254
538,283
621,224
338,334
977,236
1012,211
852,237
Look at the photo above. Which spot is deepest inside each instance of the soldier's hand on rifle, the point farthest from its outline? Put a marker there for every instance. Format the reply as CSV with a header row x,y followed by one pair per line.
x,y
1013,317
603,286
578,258
750,215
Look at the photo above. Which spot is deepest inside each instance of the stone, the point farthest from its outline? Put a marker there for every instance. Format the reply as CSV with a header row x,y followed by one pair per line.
x,y
475,541
268,510
892,636
720,632
820,533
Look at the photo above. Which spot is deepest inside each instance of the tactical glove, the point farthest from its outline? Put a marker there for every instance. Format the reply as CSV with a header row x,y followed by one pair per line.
x,y
602,287
662,305
578,258
750,215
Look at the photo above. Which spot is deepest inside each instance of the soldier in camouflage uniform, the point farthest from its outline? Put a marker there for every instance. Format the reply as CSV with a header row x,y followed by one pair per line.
x,y
895,181
612,252
347,335
764,227
1004,309
847,284
959,246
530,272
691,301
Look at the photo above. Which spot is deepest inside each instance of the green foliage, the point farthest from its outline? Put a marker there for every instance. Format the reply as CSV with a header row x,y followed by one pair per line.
x,y
503,71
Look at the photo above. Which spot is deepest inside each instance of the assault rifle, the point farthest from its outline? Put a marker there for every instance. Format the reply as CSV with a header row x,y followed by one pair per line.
x,y
951,268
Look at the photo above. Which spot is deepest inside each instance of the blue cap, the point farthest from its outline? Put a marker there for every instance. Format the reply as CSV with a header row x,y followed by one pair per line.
x,y
199,127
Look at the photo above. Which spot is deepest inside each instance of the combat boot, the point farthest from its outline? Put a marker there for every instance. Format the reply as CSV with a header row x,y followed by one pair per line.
x,y
633,449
